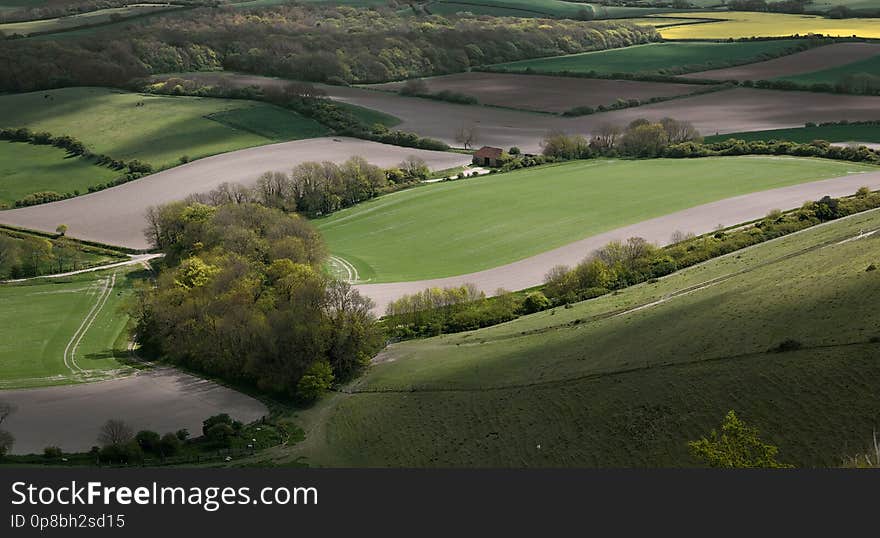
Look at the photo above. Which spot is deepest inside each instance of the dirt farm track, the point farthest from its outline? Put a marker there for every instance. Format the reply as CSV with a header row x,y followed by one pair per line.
x,y
116,216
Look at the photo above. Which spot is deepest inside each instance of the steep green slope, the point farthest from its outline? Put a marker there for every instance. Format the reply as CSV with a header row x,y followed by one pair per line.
x,y
628,379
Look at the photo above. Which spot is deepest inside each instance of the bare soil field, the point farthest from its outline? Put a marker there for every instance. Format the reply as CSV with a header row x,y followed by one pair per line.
x,y
116,216
699,220
729,111
545,93
161,400
795,64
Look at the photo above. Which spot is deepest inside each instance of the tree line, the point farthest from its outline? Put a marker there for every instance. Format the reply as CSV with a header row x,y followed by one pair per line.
x,y
243,297
319,188
26,255
335,44
672,138
133,169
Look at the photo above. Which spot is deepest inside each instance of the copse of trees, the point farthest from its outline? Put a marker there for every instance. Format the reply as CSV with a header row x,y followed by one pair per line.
x,y
316,189
243,297
25,255
641,138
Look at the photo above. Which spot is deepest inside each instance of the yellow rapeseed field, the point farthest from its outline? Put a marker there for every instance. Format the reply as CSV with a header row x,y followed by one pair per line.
x,y
752,24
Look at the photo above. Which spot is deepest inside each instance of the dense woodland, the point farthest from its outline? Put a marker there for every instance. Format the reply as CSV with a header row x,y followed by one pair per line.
x,y
243,297
316,43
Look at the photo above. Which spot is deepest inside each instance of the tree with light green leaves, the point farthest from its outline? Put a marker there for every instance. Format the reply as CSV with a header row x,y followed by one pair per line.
x,y
736,446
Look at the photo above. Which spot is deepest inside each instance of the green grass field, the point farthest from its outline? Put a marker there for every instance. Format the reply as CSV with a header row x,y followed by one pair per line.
x,y
831,133
61,331
739,24
654,57
836,74
26,169
454,228
91,18
607,383
160,131
368,116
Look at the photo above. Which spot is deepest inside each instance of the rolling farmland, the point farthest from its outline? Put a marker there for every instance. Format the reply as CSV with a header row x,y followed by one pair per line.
x,y
607,383
482,223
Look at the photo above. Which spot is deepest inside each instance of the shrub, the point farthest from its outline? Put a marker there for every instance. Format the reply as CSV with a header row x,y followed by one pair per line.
x,y
317,379
535,302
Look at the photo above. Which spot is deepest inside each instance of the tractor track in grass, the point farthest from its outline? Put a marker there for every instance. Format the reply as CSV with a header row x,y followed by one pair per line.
x,y
68,356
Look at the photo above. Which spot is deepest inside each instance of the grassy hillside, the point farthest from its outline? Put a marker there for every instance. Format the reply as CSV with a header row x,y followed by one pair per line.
x,y
59,331
654,57
754,24
153,128
482,223
629,378
831,133
26,169
837,74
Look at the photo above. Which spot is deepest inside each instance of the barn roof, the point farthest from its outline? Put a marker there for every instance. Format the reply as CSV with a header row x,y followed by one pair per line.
x,y
489,151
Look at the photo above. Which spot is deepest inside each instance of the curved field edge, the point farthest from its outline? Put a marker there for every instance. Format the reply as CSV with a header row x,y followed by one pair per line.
x,y
493,220
67,330
632,389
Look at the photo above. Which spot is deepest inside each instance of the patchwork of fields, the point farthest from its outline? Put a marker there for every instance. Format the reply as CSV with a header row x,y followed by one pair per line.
x,y
655,57
814,65
461,227
155,129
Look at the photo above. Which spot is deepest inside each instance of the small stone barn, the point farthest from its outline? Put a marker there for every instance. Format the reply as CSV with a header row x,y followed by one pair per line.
x,y
487,156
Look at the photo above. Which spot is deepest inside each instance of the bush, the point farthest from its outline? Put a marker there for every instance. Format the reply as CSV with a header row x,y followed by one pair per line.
x,y
169,445
147,440
315,382
220,435
535,302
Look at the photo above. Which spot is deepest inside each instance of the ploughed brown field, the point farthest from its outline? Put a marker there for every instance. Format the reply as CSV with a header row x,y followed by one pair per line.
x,y
795,64
545,93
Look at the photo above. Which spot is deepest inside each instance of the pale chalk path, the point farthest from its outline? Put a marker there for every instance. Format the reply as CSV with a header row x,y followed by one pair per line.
x,y
161,399
530,272
132,260
116,216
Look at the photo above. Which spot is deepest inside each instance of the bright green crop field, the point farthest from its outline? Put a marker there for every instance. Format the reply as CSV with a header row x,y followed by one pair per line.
x,y
153,128
60,331
493,220
831,133
834,75
626,380
655,57
26,169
